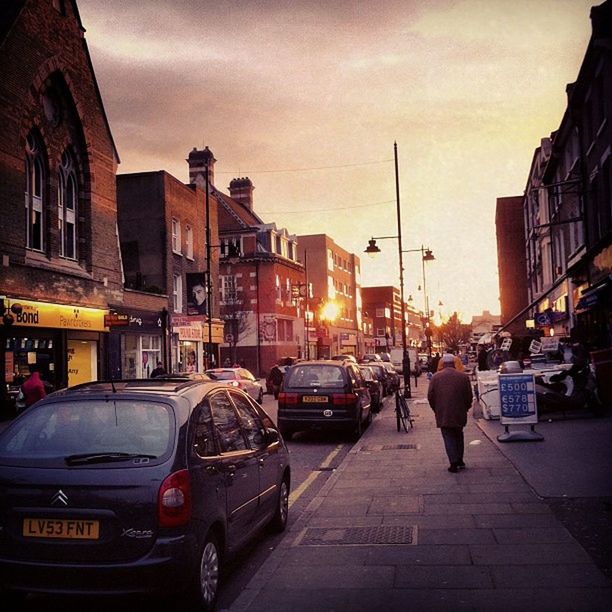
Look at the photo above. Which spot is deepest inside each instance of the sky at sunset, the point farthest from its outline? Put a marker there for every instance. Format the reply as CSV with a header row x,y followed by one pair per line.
x,y
307,98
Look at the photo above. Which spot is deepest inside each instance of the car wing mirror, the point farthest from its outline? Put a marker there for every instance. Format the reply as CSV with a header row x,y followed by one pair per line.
x,y
272,436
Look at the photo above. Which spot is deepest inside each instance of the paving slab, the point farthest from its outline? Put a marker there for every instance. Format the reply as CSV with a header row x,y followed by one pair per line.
x,y
481,539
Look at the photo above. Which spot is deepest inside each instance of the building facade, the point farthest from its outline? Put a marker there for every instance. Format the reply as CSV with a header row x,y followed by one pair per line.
x,y
335,277
259,272
510,229
61,263
383,304
162,227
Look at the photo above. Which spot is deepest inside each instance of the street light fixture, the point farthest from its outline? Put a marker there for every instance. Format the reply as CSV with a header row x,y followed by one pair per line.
x,y
426,255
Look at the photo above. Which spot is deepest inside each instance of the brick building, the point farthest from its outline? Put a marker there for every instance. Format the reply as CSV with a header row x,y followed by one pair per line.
x,y
264,320
162,227
61,264
510,229
383,304
334,275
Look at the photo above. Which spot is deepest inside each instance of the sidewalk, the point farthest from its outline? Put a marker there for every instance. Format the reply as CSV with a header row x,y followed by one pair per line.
x,y
393,530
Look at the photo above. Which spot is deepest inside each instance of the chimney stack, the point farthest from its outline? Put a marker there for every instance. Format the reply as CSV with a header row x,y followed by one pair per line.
x,y
241,189
197,161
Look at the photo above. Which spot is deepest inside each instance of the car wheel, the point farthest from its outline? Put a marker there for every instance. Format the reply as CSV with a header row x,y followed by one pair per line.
x,y
369,419
279,520
260,397
206,582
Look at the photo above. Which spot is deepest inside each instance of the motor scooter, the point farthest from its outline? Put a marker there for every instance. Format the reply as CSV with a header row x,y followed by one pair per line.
x,y
572,389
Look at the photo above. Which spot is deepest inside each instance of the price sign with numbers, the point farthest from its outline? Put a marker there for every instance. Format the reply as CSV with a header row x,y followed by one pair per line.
x,y
517,399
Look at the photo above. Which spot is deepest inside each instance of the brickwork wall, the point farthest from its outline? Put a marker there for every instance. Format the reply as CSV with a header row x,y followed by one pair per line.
x,y
47,84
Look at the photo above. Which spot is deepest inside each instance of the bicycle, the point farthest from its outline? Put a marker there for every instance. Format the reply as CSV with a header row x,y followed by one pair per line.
x,y
402,411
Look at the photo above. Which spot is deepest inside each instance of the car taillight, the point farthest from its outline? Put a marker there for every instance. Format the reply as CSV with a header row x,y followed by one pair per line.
x,y
235,383
174,501
287,398
343,399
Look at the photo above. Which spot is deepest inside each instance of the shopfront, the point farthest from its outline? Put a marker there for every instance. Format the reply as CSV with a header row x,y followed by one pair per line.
x,y
136,342
63,342
190,340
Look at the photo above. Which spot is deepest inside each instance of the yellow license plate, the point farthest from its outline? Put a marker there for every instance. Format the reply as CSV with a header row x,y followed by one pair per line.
x,y
61,528
314,399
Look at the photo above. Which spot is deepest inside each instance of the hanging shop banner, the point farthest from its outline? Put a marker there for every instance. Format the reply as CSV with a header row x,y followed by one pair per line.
x,y
517,399
59,316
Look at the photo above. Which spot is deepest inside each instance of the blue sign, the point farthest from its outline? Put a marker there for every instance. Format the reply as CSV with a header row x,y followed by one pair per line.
x,y
517,399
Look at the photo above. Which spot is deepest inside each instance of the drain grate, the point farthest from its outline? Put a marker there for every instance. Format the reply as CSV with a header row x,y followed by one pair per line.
x,y
382,534
380,447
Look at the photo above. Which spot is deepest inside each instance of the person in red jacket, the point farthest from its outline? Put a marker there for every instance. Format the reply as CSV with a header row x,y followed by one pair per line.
x,y
33,388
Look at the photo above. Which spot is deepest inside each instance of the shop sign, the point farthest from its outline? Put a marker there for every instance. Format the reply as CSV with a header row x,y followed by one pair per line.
x,y
517,399
189,332
59,316
116,320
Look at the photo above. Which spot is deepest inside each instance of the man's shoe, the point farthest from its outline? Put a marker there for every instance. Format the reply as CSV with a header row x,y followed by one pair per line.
x,y
461,465
453,468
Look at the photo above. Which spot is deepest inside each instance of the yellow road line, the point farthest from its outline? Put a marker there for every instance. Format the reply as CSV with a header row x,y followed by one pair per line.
x,y
297,493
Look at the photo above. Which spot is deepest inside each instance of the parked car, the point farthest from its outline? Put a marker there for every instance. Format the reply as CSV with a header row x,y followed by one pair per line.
x,y
324,394
187,375
374,386
394,377
383,375
345,356
371,357
141,486
238,377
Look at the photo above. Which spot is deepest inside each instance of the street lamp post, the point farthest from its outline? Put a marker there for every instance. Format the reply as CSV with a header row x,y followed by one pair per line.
x,y
232,256
372,249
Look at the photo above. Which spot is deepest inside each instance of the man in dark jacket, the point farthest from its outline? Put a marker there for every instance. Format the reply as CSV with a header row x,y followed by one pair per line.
x,y
450,397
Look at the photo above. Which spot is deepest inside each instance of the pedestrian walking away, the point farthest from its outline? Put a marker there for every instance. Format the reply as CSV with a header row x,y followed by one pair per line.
x,y
450,397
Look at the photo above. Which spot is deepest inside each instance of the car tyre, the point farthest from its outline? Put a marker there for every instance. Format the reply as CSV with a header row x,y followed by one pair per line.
x,y
205,584
279,520
260,397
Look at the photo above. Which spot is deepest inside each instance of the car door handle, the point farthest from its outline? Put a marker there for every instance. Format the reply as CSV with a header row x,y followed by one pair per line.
x,y
261,462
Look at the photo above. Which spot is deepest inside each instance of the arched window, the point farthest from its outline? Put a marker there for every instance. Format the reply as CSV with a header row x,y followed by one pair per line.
x,y
67,201
34,193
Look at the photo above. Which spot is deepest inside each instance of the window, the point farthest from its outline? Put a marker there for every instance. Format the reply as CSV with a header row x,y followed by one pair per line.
x,y
234,243
279,245
67,206
251,424
189,241
227,425
176,236
228,289
203,442
34,194
177,292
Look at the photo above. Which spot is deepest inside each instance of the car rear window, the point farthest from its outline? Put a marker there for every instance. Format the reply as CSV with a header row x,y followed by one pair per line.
x,y
315,375
62,429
